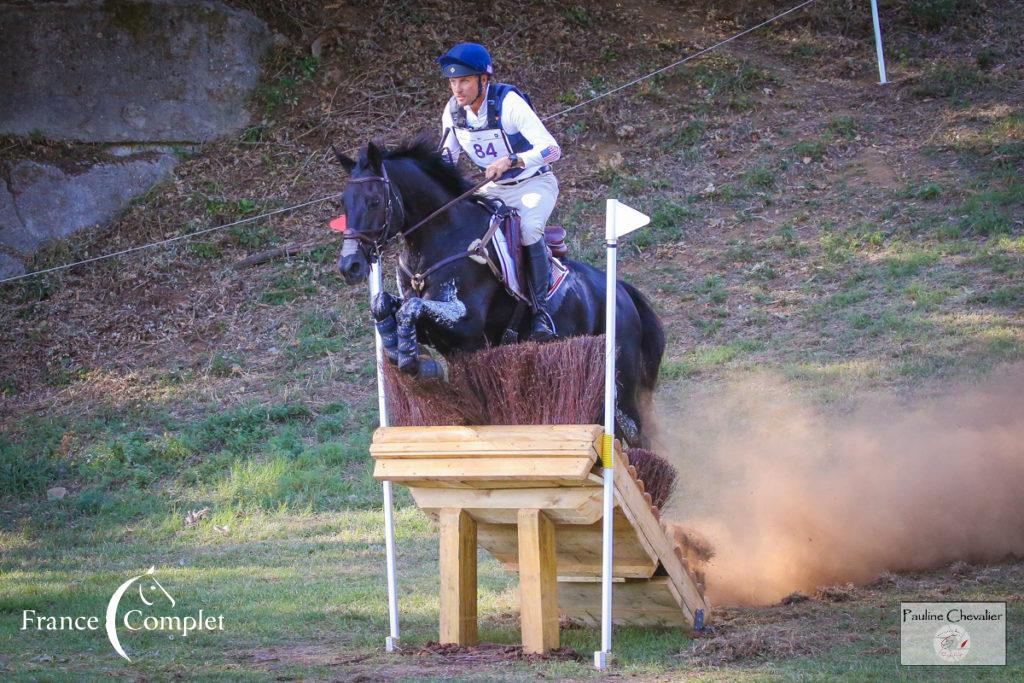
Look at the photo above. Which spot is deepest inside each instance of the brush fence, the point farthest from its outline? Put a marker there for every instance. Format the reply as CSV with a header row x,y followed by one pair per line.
x,y
532,497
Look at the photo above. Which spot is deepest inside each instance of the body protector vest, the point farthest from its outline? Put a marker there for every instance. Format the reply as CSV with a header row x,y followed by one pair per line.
x,y
488,144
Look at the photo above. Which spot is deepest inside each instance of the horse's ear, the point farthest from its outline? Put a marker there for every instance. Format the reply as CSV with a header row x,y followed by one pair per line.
x,y
374,155
346,163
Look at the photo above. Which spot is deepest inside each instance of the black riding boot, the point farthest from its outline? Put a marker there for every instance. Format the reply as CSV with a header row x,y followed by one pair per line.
x,y
542,327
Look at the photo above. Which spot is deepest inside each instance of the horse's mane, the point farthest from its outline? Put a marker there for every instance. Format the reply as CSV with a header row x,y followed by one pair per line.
x,y
422,150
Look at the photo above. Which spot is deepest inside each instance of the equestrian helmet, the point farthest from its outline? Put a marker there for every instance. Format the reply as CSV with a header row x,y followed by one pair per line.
x,y
466,59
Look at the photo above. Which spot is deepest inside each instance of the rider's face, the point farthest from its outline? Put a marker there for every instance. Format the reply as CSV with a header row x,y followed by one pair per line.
x,y
465,89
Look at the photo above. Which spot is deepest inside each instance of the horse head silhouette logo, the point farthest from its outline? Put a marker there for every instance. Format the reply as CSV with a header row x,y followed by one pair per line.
x,y
149,592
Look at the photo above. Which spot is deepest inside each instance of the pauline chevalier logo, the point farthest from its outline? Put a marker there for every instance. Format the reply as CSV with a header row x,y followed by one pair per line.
x,y
952,643
150,593
953,633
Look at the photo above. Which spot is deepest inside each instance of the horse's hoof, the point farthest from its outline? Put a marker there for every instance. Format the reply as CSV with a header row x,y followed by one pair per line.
x,y
430,369
410,366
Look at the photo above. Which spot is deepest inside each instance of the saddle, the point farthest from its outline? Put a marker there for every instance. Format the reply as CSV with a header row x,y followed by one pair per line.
x,y
509,249
554,235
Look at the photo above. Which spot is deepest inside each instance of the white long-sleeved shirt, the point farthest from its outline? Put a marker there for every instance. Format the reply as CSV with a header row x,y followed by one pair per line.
x,y
516,117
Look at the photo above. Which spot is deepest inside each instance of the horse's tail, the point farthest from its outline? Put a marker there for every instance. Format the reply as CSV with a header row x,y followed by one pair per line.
x,y
652,339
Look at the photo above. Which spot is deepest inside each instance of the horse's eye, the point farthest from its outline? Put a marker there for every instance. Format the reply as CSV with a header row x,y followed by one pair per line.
x,y
374,203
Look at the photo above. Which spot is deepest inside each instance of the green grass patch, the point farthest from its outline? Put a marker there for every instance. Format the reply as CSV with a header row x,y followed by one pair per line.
x,y
225,364
740,251
289,285
909,263
1011,297
667,220
730,83
925,295
760,177
788,241
995,211
844,127
289,69
707,358
838,301
933,15
808,149
688,135
714,288
942,80
926,191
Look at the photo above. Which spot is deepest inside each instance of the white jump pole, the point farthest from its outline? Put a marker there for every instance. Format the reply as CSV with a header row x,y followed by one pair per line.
x,y
391,644
878,42
602,657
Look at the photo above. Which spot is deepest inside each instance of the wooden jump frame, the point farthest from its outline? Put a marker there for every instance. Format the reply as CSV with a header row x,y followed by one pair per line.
x,y
532,497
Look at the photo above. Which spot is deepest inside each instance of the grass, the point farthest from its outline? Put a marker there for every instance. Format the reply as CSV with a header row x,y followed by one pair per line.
x,y
995,211
808,149
707,358
299,586
949,80
845,127
289,553
730,83
668,219
291,69
908,262
760,177
686,136
933,15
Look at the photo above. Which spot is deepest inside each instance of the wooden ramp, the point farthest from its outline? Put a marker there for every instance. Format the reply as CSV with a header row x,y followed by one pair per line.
x,y
532,497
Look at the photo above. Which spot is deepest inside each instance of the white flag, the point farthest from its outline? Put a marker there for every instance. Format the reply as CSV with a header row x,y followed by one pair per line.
x,y
621,220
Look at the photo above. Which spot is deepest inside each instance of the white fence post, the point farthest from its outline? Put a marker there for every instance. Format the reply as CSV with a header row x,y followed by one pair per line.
x,y
878,42
391,644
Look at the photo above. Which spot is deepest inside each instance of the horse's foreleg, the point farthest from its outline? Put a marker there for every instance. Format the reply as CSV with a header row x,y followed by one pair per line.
x,y
383,307
408,348
444,312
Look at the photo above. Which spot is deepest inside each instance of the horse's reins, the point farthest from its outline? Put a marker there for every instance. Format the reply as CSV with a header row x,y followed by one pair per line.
x,y
376,240
447,206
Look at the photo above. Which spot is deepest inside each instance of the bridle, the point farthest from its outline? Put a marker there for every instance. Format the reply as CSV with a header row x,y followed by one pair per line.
x,y
379,238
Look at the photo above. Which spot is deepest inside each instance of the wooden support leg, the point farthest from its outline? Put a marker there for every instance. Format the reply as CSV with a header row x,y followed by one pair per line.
x,y
458,577
538,581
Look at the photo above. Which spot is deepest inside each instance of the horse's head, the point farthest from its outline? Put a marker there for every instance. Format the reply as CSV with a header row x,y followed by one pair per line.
x,y
374,212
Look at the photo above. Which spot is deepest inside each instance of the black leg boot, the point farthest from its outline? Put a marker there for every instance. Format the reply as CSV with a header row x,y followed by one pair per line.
x,y
542,327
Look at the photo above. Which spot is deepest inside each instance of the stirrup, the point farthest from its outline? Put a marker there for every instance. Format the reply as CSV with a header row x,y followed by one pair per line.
x,y
542,326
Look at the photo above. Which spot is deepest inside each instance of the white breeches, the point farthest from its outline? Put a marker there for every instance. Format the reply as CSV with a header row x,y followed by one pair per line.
x,y
534,199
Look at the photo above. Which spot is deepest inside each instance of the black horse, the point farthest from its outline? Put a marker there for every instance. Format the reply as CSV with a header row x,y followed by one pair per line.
x,y
461,306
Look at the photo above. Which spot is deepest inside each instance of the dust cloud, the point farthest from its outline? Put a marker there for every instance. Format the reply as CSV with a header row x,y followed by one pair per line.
x,y
792,498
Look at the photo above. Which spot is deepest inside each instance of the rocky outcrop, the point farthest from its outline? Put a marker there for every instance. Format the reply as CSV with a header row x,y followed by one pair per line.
x,y
113,71
117,70
41,202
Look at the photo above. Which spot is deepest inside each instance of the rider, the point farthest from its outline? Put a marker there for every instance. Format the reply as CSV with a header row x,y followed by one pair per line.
x,y
494,123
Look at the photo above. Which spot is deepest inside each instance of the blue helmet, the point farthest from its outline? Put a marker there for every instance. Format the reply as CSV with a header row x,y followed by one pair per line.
x,y
466,59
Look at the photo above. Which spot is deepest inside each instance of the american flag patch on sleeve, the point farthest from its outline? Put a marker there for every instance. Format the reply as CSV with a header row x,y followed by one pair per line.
x,y
551,153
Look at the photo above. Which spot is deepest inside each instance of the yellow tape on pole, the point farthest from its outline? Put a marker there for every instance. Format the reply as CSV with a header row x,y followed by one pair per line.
x,y
607,450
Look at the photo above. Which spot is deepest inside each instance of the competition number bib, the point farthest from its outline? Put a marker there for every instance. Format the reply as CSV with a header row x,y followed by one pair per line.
x,y
485,146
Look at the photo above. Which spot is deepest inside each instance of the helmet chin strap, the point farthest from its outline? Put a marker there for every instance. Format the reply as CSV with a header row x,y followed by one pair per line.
x,y
479,88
